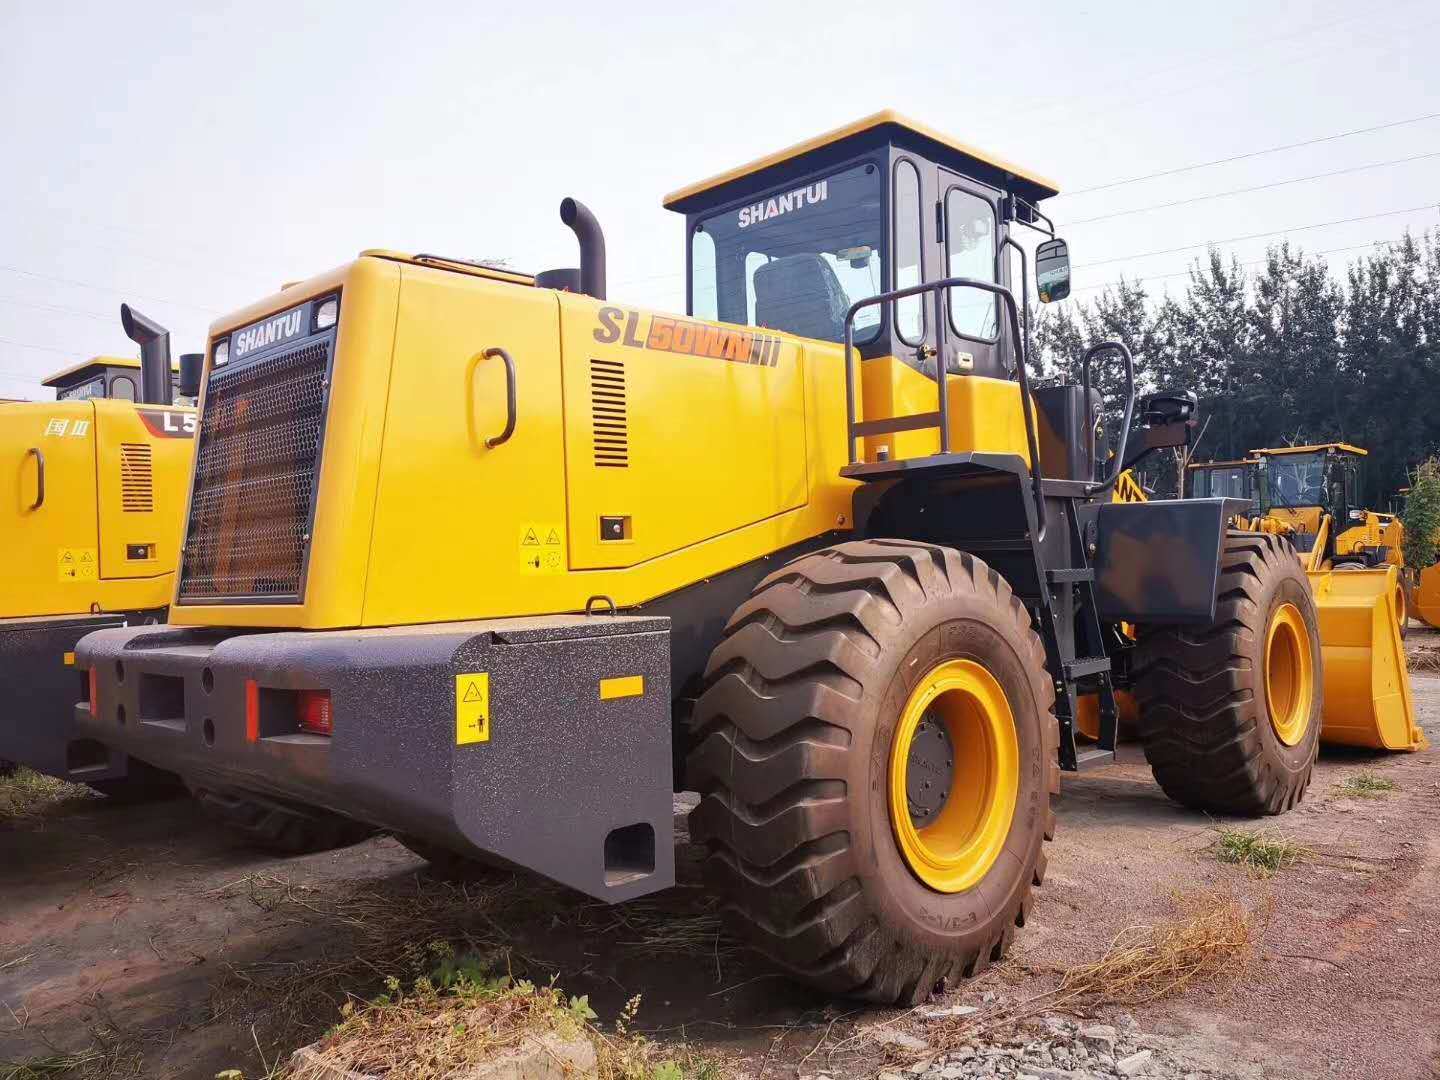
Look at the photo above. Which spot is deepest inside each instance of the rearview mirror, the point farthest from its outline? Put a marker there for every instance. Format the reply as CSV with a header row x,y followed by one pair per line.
x,y
191,365
1052,271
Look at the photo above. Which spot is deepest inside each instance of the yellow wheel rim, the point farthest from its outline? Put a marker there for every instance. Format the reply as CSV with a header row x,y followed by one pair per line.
x,y
1400,605
1289,674
951,813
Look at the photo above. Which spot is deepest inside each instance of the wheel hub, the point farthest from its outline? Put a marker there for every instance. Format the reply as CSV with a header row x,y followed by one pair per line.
x,y
929,768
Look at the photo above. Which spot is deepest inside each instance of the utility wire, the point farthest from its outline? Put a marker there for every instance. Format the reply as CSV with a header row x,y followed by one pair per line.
x,y
1259,235
115,318
1258,187
1251,154
1251,262
106,288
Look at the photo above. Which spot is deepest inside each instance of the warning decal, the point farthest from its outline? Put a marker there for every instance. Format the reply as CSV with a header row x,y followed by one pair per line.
x,y
77,564
542,548
472,708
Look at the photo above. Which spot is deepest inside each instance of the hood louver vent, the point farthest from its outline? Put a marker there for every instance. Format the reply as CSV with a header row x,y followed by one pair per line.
x,y
137,480
607,407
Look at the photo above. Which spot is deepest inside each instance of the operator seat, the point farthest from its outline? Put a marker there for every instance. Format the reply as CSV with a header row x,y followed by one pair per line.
x,y
801,295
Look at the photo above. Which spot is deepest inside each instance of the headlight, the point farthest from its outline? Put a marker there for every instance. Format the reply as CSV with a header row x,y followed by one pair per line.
x,y
221,354
327,313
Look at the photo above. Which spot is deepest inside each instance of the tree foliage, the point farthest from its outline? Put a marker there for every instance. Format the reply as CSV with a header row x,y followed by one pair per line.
x,y
1422,515
1288,355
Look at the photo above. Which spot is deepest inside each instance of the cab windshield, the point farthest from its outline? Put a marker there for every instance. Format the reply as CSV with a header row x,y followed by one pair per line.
x,y
794,260
1295,480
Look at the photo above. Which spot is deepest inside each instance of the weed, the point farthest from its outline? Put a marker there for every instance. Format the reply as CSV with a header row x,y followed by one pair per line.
x,y
1366,786
25,793
1258,851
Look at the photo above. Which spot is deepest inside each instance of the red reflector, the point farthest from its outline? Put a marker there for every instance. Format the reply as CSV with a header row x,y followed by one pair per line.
x,y
252,711
94,692
313,708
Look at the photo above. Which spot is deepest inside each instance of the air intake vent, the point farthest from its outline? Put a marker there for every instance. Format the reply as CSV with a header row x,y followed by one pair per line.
x,y
137,480
607,409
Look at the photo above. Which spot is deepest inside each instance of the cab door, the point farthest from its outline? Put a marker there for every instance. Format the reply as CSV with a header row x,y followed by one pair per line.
x,y
48,520
973,328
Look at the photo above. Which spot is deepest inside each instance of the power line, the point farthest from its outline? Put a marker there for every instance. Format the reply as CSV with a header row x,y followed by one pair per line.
x,y
107,288
1251,262
64,310
1260,235
43,348
1250,154
1257,187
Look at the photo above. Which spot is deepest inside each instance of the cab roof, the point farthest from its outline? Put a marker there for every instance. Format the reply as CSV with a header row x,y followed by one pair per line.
x,y
1344,448
88,369
941,147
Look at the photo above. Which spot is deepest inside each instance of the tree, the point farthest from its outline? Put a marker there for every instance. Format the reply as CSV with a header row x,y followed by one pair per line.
x,y
1422,515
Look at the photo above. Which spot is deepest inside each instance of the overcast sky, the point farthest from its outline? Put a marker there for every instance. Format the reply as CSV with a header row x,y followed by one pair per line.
x,y
191,162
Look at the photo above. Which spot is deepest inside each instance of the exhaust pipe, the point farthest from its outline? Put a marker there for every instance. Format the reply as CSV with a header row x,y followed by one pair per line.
x,y
581,221
154,342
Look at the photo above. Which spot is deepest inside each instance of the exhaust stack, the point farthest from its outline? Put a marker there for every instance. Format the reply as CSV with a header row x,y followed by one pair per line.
x,y
154,342
581,221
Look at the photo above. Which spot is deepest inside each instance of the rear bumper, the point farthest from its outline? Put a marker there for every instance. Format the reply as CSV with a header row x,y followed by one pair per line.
x,y
37,696
570,775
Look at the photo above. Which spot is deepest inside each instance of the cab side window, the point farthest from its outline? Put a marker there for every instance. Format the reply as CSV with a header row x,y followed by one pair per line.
x,y
970,252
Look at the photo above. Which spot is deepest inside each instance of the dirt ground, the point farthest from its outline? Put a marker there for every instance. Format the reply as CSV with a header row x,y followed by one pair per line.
x,y
135,941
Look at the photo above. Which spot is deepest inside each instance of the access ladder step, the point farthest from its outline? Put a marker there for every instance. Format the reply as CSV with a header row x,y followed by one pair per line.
x,y
1093,758
1057,577
1086,665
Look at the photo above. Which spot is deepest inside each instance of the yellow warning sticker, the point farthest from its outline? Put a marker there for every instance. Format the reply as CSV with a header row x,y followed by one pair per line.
x,y
77,564
472,708
542,548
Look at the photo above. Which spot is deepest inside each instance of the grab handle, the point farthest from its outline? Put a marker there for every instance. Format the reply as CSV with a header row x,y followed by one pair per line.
x,y
510,410
39,477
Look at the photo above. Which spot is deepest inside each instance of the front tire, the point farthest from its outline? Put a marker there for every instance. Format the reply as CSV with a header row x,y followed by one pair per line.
x,y
876,749
1230,714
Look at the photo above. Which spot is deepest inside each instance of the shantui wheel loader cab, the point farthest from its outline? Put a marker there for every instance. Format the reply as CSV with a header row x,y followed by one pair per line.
x,y
1223,479
496,563
95,492
1355,564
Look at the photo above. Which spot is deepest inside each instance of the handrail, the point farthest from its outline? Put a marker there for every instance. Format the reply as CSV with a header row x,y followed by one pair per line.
x,y
39,476
939,288
1124,351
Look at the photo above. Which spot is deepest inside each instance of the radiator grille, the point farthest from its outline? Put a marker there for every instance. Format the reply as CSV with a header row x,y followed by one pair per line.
x,y
137,479
610,433
250,512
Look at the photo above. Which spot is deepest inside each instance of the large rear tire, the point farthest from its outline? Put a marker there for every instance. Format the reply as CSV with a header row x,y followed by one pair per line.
x,y
876,750
282,829
1230,713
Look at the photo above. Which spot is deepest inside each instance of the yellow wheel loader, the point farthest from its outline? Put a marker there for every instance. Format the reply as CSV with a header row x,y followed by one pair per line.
x,y
497,563
1354,560
94,502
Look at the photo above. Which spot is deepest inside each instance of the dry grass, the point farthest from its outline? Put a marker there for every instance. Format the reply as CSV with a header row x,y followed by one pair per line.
x,y
1209,936
1259,852
382,937
25,793
461,1016
1425,658
1366,786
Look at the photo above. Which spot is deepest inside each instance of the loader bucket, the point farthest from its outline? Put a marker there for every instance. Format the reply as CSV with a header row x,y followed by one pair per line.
x,y
1425,601
1367,684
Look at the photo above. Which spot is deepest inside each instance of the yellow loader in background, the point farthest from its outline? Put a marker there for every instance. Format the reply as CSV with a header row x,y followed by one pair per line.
x,y
1353,559
91,510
